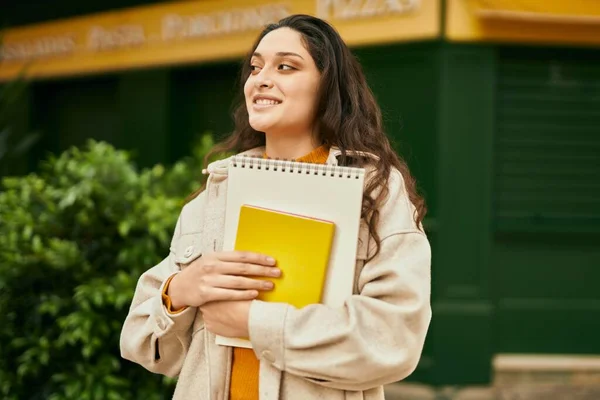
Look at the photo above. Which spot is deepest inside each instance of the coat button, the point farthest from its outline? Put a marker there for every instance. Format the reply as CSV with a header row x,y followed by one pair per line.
x,y
188,251
267,355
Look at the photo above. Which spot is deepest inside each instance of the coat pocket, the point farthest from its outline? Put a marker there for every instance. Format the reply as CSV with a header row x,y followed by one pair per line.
x,y
188,249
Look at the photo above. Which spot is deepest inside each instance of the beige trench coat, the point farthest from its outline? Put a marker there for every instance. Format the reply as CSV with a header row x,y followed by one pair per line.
x,y
317,352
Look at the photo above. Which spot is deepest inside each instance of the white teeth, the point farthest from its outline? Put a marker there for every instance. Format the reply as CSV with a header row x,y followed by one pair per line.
x,y
266,102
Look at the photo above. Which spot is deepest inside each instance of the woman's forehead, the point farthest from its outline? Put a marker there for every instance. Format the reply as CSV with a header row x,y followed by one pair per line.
x,y
282,40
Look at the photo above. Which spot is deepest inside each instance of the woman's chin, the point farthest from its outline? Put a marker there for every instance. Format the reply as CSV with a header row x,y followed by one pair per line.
x,y
261,126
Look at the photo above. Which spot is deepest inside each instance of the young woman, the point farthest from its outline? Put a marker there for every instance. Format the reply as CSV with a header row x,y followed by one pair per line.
x,y
305,98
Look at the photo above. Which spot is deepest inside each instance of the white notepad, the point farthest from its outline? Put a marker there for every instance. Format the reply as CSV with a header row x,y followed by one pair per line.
x,y
328,192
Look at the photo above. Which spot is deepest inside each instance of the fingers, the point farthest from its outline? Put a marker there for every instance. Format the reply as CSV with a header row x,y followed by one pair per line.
x,y
246,264
247,269
240,283
228,287
220,294
226,276
246,257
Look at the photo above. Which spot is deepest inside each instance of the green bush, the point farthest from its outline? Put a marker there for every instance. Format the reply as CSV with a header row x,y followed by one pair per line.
x,y
74,239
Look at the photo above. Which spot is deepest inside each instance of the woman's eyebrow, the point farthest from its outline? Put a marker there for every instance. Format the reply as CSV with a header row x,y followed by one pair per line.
x,y
280,54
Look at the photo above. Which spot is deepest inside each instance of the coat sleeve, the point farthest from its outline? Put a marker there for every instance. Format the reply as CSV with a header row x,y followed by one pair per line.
x,y
151,336
375,338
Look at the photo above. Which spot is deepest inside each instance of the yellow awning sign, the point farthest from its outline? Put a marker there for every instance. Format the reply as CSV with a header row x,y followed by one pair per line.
x,y
195,31
529,21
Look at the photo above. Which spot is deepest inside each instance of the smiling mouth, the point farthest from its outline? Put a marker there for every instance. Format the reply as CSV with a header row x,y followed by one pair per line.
x,y
266,102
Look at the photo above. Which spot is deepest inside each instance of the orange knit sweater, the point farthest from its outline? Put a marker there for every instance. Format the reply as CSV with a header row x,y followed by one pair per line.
x,y
244,370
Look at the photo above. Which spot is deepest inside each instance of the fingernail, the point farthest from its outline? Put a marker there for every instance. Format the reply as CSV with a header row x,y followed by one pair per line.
x,y
268,285
275,272
271,260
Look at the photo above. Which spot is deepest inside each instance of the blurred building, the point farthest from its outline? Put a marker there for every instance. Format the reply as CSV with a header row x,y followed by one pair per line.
x,y
495,104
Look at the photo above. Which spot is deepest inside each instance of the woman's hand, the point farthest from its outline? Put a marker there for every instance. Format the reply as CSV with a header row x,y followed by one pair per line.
x,y
227,318
221,277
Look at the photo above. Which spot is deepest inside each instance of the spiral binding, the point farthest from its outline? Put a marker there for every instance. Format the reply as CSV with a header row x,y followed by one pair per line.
x,y
295,167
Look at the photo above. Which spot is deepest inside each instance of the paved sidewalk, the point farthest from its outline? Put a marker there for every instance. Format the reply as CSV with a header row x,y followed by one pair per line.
x,y
519,377
406,391
410,391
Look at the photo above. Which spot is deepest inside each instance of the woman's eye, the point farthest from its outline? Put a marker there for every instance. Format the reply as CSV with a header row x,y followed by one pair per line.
x,y
254,69
286,67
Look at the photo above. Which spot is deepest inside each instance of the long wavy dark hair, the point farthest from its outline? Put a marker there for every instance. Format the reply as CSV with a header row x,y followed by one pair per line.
x,y
348,116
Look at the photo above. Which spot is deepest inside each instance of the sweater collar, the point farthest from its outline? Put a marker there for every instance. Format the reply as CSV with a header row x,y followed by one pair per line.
x,y
319,155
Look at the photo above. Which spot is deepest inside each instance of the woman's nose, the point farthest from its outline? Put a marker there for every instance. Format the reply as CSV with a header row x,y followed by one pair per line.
x,y
263,81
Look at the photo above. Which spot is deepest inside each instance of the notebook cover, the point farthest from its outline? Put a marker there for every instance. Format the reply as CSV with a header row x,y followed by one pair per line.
x,y
301,246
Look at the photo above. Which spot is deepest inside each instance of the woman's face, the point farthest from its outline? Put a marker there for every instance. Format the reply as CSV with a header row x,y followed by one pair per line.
x,y
281,91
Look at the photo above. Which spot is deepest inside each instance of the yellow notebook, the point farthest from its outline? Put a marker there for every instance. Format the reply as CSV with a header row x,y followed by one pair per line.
x,y
301,246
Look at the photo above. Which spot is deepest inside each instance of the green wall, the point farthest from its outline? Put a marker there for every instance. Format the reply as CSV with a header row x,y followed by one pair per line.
x,y
516,257
129,110
405,80
462,337
545,256
201,101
